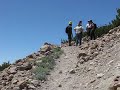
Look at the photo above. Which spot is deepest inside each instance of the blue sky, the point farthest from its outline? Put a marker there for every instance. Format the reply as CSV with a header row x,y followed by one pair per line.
x,y
26,24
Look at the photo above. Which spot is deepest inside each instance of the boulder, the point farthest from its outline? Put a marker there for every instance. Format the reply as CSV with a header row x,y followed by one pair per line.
x,y
25,66
33,56
12,70
22,84
45,48
17,61
10,77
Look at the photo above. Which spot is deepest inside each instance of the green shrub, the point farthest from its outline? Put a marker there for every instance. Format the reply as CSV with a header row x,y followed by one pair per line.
x,y
100,31
41,73
47,64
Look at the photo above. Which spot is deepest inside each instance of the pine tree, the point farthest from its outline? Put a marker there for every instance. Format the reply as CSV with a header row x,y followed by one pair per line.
x,y
4,65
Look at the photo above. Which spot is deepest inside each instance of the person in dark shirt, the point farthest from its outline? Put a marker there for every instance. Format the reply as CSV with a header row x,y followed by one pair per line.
x,y
92,32
69,32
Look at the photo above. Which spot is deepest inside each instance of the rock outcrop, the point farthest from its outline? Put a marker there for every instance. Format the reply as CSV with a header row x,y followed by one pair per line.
x,y
19,76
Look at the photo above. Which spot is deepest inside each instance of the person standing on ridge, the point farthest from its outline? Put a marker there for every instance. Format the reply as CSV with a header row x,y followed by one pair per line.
x,y
69,32
92,31
88,29
78,30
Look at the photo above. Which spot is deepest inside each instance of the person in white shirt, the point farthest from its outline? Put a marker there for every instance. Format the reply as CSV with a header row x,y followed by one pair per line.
x,y
79,30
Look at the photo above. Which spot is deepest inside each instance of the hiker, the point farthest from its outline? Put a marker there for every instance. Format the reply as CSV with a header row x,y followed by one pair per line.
x,y
69,32
78,30
92,31
88,29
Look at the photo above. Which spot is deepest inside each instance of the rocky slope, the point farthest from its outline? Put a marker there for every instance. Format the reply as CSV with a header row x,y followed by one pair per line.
x,y
93,66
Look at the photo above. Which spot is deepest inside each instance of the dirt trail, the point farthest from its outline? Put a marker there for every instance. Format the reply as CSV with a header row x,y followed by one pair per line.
x,y
60,75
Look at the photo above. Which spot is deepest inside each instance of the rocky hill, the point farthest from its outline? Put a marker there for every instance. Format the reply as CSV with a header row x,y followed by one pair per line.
x,y
93,66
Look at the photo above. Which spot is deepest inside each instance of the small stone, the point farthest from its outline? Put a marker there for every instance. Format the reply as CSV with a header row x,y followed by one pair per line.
x,y
4,83
92,63
90,68
94,45
72,71
77,66
100,75
110,62
60,85
81,61
15,81
16,88
66,57
35,82
31,86
95,54
82,53
86,58
92,81
91,57
60,72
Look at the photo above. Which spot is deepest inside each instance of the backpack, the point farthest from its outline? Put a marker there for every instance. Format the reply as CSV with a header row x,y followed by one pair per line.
x,y
66,30
95,26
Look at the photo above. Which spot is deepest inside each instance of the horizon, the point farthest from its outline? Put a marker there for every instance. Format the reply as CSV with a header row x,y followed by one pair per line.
x,y
26,25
